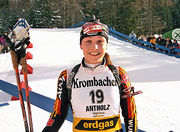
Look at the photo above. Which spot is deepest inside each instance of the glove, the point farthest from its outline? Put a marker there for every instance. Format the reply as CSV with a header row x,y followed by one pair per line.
x,y
8,42
26,41
23,47
20,49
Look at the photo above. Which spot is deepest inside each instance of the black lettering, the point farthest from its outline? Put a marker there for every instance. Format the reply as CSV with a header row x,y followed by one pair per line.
x,y
91,108
108,81
89,83
84,83
75,83
94,108
113,82
104,82
80,83
97,107
95,81
87,108
100,82
108,107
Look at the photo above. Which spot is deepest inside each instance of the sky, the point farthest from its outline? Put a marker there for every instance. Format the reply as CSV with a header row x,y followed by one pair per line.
x,y
54,50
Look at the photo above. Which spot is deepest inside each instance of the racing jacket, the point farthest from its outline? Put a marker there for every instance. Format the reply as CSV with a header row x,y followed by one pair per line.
x,y
96,101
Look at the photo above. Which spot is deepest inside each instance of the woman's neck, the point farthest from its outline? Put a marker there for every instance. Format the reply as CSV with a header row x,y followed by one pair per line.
x,y
92,65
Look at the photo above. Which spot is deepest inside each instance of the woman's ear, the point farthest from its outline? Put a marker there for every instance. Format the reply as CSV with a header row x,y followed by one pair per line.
x,y
80,46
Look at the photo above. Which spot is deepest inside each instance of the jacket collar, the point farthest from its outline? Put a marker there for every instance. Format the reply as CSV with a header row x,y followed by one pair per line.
x,y
102,63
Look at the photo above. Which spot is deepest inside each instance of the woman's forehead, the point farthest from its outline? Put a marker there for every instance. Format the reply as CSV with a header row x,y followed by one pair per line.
x,y
94,37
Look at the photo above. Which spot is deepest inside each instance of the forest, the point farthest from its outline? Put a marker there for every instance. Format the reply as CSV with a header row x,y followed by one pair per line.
x,y
141,16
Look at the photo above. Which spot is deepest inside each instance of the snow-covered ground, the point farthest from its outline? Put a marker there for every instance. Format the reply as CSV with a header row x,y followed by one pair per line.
x,y
157,75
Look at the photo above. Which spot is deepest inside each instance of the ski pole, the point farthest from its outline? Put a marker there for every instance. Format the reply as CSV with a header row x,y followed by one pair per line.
x,y
24,68
15,66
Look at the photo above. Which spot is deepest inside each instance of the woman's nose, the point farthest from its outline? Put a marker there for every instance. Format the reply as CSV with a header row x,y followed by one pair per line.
x,y
94,46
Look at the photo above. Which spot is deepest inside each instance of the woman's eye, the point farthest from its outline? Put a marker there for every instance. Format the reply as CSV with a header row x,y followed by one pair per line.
x,y
89,42
99,42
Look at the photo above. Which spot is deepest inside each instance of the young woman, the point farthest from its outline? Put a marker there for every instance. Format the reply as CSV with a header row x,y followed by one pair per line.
x,y
95,93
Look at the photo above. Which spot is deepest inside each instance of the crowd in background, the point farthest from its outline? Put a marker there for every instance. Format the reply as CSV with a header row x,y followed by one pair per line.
x,y
158,40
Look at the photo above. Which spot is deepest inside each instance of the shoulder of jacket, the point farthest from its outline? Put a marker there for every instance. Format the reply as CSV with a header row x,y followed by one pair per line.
x,y
121,70
63,74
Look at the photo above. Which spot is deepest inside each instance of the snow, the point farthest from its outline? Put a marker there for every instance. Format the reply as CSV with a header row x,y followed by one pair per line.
x,y
157,75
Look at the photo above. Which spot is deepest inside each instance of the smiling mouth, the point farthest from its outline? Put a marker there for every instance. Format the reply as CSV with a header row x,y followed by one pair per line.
x,y
94,54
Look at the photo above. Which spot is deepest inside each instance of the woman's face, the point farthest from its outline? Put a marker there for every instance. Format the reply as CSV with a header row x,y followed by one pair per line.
x,y
94,49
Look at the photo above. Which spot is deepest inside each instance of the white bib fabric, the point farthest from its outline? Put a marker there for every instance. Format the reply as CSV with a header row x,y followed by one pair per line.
x,y
95,94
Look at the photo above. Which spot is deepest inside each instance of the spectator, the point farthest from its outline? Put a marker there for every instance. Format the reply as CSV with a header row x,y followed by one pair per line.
x,y
153,41
141,37
145,38
175,45
87,17
132,35
168,43
148,38
92,18
160,41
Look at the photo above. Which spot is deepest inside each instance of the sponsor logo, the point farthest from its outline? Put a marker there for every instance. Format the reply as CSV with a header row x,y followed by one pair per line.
x,y
60,87
92,29
95,125
98,114
130,126
176,34
94,82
